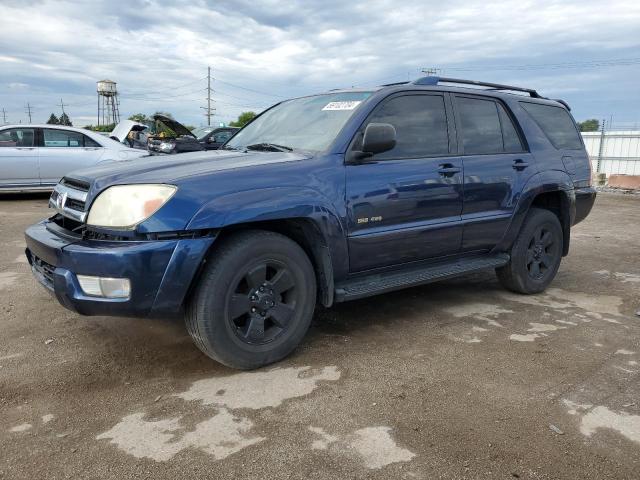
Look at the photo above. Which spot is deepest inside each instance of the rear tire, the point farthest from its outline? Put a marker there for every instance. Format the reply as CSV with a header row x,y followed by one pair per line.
x,y
254,301
535,255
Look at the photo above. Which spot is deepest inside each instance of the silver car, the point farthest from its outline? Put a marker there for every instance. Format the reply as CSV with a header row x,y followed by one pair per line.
x,y
36,157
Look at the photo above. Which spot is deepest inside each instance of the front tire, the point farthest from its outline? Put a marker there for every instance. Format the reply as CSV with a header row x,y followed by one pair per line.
x,y
535,255
254,301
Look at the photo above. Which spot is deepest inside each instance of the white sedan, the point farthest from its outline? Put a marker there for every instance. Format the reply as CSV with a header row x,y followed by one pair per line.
x,y
36,157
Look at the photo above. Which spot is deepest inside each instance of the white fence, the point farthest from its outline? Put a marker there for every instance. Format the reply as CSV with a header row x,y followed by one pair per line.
x,y
618,154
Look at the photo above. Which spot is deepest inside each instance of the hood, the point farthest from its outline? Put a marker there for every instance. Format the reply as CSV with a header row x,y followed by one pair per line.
x,y
174,125
175,169
123,128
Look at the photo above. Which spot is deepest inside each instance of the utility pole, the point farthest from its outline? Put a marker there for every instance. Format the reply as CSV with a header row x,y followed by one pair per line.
x,y
208,108
61,105
4,116
28,111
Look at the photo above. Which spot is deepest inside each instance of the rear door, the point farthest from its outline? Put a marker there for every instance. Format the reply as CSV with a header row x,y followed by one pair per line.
x,y
18,157
496,166
63,151
404,205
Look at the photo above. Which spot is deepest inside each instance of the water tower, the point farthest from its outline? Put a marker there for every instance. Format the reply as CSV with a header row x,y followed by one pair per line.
x,y
108,103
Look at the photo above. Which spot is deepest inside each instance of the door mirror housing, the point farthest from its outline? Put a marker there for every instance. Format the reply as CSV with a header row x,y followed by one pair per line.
x,y
377,138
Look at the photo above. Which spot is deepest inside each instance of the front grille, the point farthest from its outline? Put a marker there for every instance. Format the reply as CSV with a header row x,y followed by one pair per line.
x,y
74,204
43,270
76,184
69,199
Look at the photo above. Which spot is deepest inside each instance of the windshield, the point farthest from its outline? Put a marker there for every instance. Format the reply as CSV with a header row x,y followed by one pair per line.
x,y
201,131
309,123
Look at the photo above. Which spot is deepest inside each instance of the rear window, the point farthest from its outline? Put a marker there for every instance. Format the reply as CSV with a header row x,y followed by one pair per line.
x,y
556,124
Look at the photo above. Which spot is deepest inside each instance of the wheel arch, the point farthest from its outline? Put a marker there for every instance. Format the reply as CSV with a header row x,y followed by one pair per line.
x,y
552,191
301,214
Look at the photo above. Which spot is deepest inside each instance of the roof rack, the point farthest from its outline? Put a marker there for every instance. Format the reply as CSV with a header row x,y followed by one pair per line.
x,y
491,86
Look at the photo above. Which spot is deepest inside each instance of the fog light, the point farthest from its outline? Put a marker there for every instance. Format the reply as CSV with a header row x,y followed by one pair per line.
x,y
104,286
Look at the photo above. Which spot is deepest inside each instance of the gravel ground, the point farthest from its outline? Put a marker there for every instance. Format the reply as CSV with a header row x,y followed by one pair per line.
x,y
453,380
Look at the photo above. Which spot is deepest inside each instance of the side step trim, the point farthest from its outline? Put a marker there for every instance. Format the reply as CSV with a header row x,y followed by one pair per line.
x,y
369,285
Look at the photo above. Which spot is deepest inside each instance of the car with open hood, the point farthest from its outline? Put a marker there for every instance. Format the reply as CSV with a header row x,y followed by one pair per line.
x,y
173,137
318,200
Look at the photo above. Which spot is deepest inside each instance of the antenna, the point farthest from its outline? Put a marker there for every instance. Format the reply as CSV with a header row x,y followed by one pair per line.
x,y
431,71
61,105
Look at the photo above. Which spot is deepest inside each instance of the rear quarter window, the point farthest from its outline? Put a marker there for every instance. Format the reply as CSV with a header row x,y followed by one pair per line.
x,y
557,125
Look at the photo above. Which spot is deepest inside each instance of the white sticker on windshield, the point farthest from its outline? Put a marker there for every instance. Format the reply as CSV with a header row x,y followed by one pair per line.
x,y
342,105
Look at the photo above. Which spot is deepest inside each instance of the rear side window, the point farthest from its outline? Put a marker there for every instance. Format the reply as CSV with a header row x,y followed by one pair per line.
x,y
556,124
63,138
510,137
421,126
481,133
88,142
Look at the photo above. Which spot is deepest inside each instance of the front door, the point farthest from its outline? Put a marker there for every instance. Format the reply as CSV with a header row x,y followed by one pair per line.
x,y
496,166
18,158
405,204
63,151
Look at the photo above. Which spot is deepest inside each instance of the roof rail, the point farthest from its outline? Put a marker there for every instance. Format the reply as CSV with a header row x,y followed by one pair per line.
x,y
491,86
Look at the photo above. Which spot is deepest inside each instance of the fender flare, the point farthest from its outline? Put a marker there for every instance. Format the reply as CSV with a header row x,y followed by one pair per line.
x,y
543,182
330,251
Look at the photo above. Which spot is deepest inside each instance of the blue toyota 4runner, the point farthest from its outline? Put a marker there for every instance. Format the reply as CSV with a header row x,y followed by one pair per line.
x,y
321,199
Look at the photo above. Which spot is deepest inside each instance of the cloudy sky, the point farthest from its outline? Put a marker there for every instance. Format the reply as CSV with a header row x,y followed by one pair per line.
x,y
586,52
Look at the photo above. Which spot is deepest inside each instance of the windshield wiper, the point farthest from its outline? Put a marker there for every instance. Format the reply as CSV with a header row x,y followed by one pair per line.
x,y
228,147
269,147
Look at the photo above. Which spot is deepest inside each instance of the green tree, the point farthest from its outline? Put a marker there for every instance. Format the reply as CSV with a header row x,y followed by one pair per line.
x,y
53,120
591,125
139,117
101,128
65,120
243,119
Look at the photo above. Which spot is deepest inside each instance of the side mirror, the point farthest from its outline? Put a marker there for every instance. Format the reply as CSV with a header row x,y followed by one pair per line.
x,y
378,138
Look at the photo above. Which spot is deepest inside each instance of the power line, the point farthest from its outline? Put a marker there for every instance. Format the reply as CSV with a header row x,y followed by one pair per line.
x,y
177,87
248,89
551,66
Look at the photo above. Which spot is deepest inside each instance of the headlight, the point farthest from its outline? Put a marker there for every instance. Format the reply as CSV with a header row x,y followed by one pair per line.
x,y
166,146
125,206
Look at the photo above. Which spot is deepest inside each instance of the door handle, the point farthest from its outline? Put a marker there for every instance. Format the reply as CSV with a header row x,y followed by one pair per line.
x,y
520,164
26,148
448,170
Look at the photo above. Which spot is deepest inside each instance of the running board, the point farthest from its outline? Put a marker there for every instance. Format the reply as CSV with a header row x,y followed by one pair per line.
x,y
369,285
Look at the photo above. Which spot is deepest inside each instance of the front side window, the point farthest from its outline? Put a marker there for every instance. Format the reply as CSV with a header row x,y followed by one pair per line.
x,y
17,137
308,123
556,124
62,138
421,126
222,137
481,133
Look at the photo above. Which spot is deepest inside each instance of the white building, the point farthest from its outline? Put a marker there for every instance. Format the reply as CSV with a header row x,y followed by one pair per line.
x,y
620,152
